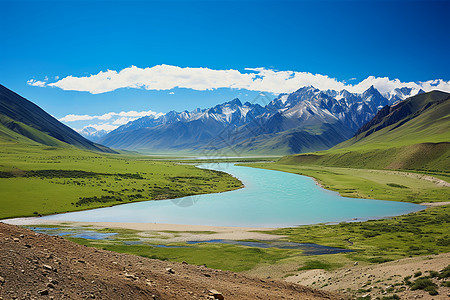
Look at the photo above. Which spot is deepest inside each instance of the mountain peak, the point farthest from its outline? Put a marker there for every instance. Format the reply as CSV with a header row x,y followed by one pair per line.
x,y
308,88
235,101
372,91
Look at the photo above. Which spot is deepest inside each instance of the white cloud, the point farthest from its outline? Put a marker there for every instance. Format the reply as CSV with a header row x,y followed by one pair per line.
x,y
34,82
124,120
74,118
166,77
111,115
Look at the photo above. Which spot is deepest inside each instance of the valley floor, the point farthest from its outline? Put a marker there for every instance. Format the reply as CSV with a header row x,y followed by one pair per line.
x,y
379,246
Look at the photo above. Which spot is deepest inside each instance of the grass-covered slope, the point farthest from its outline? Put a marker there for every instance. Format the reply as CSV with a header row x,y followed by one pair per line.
x,y
414,134
297,140
424,118
37,179
26,119
16,132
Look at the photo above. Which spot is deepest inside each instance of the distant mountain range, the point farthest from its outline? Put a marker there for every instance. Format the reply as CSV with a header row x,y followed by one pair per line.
x,y
92,134
306,120
413,134
21,121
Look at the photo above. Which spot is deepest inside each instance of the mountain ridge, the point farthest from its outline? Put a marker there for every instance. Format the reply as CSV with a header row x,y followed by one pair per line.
x,y
286,121
412,134
20,115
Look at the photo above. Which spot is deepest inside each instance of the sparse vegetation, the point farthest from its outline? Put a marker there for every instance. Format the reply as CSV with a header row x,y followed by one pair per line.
x,y
380,241
315,264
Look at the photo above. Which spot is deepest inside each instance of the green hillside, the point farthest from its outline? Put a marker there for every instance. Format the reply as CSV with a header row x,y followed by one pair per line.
x,y
24,118
414,134
297,140
17,132
424,118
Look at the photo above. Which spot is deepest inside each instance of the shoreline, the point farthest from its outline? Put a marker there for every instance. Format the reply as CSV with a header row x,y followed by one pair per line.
x,y
33,220
434,204
28,221
184,233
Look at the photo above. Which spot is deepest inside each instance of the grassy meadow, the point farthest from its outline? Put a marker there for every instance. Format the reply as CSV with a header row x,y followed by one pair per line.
x,y
368,183
41,180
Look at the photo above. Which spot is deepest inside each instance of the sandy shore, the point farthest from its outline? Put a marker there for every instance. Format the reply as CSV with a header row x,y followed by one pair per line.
x,y
434,204
183,232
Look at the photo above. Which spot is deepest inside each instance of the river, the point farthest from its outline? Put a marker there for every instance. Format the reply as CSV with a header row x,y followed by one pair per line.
x,y
269,199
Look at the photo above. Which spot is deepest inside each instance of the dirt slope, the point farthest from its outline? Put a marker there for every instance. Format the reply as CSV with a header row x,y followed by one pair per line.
x,y
379,280
34,266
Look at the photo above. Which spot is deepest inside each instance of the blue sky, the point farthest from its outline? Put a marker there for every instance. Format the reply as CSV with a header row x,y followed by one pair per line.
x,y
43,42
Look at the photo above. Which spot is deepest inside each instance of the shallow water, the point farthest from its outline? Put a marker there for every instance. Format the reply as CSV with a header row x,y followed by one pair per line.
x,y
308,249
269,199
76,233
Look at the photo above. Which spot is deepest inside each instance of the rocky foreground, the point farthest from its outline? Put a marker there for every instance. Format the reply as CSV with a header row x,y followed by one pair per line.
x,y
34,266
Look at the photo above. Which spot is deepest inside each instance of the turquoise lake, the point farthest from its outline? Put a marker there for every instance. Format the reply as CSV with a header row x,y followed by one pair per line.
x,y
269,199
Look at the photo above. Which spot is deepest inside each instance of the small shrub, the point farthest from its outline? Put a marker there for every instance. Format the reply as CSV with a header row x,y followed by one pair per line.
x,y
422,283
417,274
445,241
431,290
434,274
378,260
396,185
445,273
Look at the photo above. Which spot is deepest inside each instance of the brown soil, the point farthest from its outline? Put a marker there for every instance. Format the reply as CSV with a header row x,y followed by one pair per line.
x,y
379,280
36,266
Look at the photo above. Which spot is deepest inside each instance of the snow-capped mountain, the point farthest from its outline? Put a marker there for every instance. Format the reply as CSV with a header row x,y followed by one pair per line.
x,y
93,134
306,120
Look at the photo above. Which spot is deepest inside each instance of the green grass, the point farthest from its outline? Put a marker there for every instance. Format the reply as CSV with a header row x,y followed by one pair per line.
x,y
366,183
24,134
421,233
315,264
217,256
428,157
38,179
